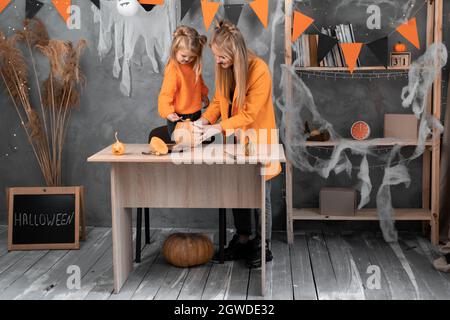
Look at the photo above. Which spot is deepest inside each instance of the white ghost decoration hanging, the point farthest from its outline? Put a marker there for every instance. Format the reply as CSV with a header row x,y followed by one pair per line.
x,y
128,8
145,34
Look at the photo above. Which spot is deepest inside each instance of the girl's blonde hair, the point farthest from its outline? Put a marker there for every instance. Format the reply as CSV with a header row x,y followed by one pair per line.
x,y
229,40
188,38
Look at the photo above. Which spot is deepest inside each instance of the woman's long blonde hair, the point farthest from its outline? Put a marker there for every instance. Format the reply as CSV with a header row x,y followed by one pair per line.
x,y
227,38
188,38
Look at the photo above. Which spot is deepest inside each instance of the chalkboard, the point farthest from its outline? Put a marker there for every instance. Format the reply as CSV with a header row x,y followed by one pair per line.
x,y
43,218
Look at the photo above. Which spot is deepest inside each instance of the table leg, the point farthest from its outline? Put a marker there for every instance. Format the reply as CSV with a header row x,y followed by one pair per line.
x,y
222,234
263,236
121,233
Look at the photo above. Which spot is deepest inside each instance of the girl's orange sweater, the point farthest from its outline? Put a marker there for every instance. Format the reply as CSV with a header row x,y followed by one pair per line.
x,y
180,92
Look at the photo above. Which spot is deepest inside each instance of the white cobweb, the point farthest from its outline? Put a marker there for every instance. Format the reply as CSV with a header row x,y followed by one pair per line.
x,y
421,76
146,33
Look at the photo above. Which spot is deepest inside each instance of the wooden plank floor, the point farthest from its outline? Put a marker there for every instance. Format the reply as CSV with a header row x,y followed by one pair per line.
x,y
319,266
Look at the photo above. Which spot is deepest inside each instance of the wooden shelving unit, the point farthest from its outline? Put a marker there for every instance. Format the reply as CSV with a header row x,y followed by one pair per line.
x,y
429,213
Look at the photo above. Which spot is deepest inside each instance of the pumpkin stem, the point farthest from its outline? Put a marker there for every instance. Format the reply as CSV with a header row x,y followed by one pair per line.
x,y
117,140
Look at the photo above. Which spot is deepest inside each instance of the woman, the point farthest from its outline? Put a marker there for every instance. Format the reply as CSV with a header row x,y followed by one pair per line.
x,y
243,101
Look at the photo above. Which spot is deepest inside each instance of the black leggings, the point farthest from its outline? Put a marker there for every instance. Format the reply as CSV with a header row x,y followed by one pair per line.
x,y
171,125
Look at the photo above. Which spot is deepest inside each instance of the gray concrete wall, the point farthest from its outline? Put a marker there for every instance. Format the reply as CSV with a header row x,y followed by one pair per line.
x,y
105,110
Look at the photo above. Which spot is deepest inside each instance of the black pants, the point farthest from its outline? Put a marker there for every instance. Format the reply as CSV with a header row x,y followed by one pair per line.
x,y
171,125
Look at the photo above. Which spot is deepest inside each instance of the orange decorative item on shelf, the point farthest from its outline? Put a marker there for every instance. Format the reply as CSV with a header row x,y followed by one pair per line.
x,y
188,249
400,47
360,130
118,148
158,147
184,134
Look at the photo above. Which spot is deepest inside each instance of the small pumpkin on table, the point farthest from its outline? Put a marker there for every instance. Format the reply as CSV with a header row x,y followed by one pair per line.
x,y
118,148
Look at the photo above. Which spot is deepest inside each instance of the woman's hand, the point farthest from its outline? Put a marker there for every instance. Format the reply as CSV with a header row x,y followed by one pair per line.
x,y
210,131
173,117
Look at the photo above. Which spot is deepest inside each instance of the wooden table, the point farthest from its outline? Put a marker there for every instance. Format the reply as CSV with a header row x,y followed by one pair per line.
x,y
205,177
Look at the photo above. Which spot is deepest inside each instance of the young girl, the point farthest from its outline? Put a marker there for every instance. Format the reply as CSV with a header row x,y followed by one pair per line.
x,y
183,89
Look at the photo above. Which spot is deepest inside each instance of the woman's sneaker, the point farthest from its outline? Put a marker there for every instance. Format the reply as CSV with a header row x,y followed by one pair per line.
x,y
254,256
235,250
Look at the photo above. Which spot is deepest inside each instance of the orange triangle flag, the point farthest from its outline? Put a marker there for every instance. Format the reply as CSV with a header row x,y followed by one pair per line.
x,y
409,31
209,10
301,23
157,2
62,7
4,4
261,8
351,53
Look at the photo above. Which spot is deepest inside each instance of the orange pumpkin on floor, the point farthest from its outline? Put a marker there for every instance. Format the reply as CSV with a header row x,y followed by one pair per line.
x,y
188,249
184,134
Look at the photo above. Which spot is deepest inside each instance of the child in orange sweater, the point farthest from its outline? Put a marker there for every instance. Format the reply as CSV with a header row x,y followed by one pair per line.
x,y
183,89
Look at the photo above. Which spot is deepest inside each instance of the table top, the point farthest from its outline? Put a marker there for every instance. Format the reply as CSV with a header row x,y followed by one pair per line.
x,y
205,154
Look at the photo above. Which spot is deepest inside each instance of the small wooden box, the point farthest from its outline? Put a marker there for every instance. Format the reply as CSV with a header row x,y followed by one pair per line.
x,y
338,201
402,126
400,60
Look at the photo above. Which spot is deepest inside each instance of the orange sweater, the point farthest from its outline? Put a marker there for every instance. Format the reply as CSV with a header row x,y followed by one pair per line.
x,y
257,113
179,92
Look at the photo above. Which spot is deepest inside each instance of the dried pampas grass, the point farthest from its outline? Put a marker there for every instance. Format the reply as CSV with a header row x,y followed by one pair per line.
x,y
58,94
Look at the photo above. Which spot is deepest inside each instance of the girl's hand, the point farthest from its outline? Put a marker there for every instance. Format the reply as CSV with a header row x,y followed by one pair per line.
x,y
211,131
173,117
205,101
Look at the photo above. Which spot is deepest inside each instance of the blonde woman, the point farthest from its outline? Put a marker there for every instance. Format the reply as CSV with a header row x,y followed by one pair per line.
x,y
243,100
183,89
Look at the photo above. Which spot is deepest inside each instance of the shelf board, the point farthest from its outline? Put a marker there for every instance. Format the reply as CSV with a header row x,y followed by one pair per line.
x,y
374,142
363,215
372,68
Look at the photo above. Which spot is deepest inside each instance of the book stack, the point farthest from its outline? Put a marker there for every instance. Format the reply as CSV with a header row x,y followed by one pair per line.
x,y
306,47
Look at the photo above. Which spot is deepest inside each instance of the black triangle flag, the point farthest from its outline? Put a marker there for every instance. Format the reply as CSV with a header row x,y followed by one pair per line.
x,y
185,6
380,49
233,12
326,43
96,2
32,7
148,7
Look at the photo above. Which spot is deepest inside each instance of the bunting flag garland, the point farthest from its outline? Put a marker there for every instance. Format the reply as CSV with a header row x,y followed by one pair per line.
x,y
4,4
261,9
351,53
32,7
96,2
326,43
148,5
209,10
233,12
185,6
381,50
62,7
301,23
409,32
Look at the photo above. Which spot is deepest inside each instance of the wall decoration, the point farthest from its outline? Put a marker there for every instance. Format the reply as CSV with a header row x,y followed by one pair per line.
x,y
209,10
325,44
400,60
150,31
360,130
351,53
261,9
185,6
32,7
62,6
128,8
400,47
233,12
409,32
378,47
96,3
4,4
